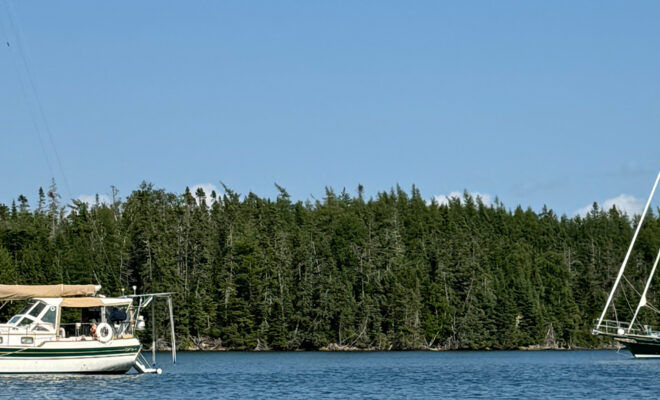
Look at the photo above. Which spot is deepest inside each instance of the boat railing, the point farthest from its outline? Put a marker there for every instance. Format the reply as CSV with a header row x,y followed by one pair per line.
x,y
621,328
80,330
610,327
77,329
122,329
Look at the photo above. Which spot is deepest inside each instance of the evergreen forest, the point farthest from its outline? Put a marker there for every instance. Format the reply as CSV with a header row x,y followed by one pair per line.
x,y
394,271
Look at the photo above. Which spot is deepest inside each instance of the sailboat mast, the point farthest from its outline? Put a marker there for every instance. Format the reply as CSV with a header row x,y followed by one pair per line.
x,y
625,260
642,300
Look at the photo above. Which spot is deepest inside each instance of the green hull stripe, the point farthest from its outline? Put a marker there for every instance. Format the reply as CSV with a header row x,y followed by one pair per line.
x,y
41,352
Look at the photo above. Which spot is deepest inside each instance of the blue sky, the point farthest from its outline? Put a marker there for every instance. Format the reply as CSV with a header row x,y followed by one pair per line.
x,y
537,103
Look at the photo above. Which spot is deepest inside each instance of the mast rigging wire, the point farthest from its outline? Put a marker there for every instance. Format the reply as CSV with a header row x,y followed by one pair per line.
x,y
38,116
623,290
26,98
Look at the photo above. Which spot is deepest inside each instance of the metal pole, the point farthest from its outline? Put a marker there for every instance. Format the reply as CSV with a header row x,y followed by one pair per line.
x,y
625,260
169,305
153,340
642,300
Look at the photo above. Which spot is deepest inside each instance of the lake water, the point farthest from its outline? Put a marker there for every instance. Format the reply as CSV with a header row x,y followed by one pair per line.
x,y
414,375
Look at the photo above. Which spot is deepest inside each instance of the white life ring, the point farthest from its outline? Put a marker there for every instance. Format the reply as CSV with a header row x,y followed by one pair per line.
x,y
104,332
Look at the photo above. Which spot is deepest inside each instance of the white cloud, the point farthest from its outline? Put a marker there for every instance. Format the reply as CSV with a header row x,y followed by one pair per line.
x,y
583,211
624,202
208,188
444,199
91,199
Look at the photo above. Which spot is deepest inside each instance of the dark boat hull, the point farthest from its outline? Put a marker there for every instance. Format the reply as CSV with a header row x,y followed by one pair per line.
x,y
641,348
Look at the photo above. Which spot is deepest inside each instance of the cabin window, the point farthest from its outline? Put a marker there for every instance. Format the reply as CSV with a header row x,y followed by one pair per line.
x,y
27,307
49,317
25,321
14,319
37,309
27,340
91,315
116,315
0,339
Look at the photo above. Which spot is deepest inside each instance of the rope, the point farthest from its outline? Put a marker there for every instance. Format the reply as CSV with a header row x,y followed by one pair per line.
x,y
653,308
631,286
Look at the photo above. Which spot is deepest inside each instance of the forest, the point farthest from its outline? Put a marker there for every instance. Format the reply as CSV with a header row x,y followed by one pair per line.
x,y
394,271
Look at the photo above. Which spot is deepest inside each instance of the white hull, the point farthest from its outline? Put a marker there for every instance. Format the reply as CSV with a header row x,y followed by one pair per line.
x,y
70,357
90,365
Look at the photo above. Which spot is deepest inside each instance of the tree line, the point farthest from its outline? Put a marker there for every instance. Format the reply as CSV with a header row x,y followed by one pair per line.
x,y
394,271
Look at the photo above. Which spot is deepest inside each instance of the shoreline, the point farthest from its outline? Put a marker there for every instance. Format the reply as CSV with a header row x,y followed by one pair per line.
x,y
346,349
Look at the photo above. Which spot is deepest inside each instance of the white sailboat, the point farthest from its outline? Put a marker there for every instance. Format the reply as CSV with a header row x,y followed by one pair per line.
x,y
641,340
70,329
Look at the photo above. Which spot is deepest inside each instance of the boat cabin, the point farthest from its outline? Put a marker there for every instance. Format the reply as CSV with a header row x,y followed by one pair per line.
x,y
72,329
70,319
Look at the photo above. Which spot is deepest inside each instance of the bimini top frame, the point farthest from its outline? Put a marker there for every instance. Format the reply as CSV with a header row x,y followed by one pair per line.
x,y
143,301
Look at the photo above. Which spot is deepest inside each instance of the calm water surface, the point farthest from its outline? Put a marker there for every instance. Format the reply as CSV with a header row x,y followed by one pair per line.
x,y
416,375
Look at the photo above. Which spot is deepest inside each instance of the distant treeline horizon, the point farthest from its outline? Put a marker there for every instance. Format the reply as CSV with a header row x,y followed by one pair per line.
x,y
390,272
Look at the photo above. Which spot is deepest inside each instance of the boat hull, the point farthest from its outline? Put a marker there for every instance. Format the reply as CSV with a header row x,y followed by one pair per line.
x,y
642,348
90,357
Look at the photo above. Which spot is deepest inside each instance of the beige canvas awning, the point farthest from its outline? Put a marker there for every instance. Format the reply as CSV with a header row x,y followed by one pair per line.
x,y
87,302
22,292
